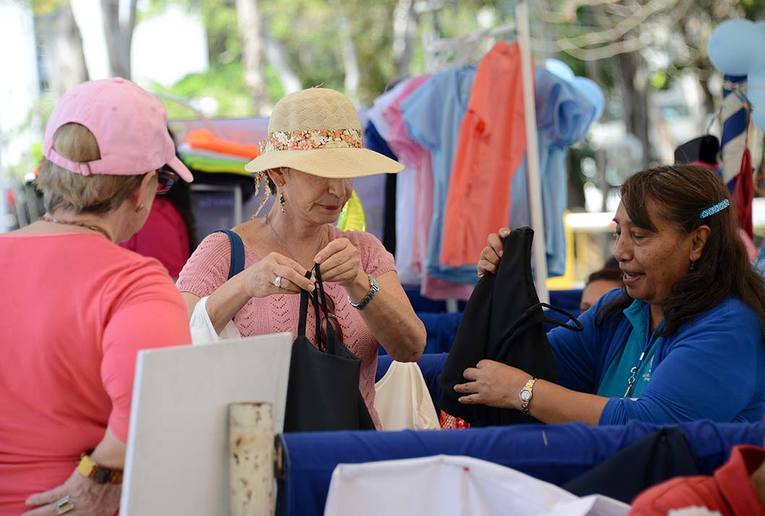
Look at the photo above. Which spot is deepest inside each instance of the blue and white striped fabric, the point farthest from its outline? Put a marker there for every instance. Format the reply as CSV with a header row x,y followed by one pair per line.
x,y
734,121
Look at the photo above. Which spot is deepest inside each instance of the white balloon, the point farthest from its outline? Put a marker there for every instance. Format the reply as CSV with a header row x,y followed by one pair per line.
x,y
559,68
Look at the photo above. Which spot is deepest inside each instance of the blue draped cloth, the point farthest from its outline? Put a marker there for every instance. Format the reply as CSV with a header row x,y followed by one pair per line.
x,y
553,453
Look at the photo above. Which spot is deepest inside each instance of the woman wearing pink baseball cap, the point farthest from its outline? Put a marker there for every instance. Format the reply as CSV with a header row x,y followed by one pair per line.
x,y
77,308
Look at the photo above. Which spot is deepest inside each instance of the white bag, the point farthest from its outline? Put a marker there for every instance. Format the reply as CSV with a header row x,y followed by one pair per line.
x,y
202,329
449,485
402,399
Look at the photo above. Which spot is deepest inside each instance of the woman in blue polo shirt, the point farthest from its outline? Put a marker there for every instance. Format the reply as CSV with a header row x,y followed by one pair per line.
x,y
682,341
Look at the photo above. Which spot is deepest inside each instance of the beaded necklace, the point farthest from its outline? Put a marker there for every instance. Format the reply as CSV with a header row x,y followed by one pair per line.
x,y
50,218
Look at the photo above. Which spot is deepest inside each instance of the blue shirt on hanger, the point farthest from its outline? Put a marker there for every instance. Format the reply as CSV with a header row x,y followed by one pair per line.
x,y
563,117
433,114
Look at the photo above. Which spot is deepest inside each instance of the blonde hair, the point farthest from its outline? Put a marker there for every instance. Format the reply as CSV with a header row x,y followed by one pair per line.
x,y
269,188
70,191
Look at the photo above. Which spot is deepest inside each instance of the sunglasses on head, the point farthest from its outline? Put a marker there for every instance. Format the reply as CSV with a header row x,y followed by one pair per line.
x,y
166,178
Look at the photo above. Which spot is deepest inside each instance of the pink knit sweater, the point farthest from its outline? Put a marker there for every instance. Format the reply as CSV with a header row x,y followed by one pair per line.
x,y
208,267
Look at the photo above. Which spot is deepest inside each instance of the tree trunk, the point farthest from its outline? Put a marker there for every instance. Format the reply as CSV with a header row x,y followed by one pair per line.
x,y
700,62
277,57
63,57
119,22
633,79
404,34
350,59
249,21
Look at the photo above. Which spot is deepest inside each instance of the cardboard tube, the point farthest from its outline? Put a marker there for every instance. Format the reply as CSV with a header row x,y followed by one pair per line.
x,y
251,459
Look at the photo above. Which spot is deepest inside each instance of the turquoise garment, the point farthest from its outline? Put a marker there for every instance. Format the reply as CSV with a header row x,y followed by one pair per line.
x,y
614,382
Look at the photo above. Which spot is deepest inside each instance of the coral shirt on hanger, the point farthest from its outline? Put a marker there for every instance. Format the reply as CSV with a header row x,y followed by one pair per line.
x,y
492,142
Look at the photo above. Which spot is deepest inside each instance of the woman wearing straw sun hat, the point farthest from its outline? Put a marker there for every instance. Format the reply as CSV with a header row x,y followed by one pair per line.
x,y
76,308
312,152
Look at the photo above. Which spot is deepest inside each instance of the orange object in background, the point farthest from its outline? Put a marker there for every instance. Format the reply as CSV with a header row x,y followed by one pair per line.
x,y
204,139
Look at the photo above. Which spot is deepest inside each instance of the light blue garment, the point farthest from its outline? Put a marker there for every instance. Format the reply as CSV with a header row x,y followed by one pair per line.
x,y
433,114
614,383
563,117
760,263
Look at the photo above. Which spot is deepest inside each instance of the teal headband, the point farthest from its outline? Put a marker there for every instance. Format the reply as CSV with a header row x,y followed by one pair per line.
x,y
715,208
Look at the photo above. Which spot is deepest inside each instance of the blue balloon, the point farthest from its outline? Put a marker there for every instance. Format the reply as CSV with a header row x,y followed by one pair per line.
x,y
559,68
736,46
755,93
758,117
592,92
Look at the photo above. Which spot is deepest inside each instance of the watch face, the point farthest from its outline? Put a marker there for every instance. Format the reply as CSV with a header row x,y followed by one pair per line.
x,y
525,395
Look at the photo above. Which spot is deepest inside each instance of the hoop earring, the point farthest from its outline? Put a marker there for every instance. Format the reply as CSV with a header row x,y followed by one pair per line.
x,y
282,202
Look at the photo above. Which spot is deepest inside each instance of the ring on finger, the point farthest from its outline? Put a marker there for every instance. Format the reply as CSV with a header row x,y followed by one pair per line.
x,y
64,505
278,282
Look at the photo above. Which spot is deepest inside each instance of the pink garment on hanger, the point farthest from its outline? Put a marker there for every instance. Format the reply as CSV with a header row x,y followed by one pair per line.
x,y
386,115
491,146
412,219
442,290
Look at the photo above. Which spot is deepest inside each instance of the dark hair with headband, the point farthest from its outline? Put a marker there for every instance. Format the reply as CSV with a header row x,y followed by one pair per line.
x,y
691,197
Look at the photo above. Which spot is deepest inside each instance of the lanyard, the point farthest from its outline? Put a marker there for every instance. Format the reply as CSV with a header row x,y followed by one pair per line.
x,y
633,375
633,372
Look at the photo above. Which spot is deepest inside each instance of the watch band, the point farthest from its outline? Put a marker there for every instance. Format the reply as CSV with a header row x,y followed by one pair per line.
x,y
374,288
97,473
526,394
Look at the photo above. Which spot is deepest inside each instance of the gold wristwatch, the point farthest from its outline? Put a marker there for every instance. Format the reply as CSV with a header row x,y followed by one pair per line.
x,y
526,394
97,473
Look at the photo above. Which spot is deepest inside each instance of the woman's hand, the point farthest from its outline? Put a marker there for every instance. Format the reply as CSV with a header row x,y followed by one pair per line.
x,y
493,384
87,497
260,278
492,253
341,262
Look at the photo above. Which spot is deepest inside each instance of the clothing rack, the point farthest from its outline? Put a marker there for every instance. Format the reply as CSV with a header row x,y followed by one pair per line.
x,y
532,151
463,45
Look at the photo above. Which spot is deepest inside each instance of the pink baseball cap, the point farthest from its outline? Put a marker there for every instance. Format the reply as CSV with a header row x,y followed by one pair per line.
x,y
129,124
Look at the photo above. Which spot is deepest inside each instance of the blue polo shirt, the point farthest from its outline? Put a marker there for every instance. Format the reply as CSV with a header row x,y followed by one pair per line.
x,y
712,367
639,352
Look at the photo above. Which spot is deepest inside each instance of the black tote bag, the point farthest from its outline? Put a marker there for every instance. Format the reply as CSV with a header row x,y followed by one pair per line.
x,y
503,321
323,389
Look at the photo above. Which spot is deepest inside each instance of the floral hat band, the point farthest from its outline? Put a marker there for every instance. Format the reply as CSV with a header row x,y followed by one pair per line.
x,y
318,131
311,139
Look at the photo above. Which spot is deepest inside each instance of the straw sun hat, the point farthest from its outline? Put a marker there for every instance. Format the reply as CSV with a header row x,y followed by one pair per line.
x,y
318,131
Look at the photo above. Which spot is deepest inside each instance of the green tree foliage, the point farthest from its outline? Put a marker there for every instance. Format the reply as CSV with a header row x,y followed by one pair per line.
x,y
308,30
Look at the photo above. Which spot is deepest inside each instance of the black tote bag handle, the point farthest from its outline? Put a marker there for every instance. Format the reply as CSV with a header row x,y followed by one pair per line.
x,y
303,316
527,320
576,326
320,299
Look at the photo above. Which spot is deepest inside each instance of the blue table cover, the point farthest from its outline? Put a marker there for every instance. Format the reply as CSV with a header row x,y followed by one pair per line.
x,y
553,453
566,299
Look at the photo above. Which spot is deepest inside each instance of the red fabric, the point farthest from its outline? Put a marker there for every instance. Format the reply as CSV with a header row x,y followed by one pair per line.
x,y
75,311
728,491
449,422
163,237
703,164
492,143
743,193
